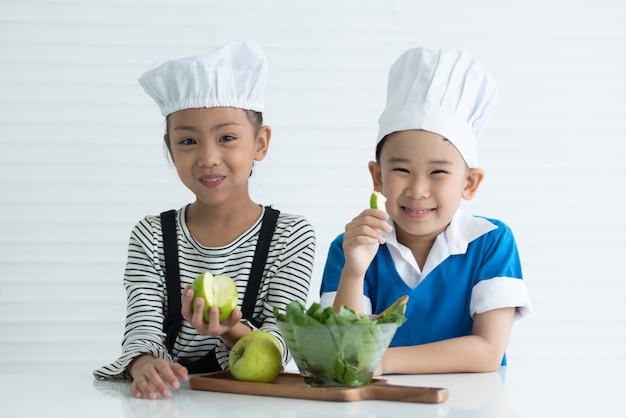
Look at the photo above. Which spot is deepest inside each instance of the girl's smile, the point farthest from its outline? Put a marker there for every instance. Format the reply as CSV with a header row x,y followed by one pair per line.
x,y
212,181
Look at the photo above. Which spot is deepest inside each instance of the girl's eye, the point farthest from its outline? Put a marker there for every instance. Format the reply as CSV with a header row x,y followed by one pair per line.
x,y
188,141
227,138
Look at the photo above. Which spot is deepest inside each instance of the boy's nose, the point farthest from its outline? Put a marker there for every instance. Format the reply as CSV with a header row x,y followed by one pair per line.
x,y
419,189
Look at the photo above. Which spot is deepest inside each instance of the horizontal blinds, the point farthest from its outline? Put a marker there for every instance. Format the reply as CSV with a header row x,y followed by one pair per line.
x,y
81,156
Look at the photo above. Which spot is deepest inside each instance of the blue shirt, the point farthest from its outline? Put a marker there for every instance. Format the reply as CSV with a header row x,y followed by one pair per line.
x,y
474,267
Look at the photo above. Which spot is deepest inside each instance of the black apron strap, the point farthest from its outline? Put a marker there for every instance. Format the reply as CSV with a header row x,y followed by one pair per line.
x,y
258,264
173,318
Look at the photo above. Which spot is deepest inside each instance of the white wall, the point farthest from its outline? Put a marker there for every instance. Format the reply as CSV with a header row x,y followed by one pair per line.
x,y
81,157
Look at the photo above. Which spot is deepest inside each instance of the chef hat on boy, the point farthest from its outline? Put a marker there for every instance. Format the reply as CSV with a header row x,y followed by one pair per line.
x,y
233,75
447,92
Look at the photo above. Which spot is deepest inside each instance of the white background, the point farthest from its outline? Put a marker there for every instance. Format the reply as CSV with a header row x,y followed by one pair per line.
x,y
81,156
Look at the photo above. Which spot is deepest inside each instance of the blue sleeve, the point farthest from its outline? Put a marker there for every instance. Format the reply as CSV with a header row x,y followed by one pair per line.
x,y
334,264
500,257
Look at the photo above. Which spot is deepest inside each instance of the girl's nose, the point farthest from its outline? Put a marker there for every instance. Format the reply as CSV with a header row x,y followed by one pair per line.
x,y
208,156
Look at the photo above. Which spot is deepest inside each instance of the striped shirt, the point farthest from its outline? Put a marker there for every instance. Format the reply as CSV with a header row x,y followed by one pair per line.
x,y
286,277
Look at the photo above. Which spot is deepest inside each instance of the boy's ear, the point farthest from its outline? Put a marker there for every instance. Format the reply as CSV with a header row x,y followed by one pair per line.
x,y
263,142
474,177
377,178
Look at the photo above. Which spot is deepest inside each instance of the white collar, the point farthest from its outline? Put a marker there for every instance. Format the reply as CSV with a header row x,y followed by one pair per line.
x,y
455,239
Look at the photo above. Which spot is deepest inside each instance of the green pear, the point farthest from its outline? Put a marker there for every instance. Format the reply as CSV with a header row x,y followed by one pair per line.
x,y
256,357
377,201
216,290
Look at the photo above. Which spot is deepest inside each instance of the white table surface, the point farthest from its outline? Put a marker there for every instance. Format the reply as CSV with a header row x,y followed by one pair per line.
x,y
559,391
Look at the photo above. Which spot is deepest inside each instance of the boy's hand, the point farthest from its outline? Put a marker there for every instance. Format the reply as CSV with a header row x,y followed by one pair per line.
x,y
214,328
361,239
153,377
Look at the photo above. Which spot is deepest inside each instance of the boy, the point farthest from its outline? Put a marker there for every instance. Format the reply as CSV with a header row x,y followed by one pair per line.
x,y
462,273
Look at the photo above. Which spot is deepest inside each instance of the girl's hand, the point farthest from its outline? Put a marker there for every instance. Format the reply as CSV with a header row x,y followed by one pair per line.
x,y
153,377
361,239
214,328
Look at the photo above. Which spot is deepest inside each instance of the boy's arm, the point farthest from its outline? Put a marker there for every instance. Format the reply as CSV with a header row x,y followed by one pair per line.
x,y
361,240
350,292
480,352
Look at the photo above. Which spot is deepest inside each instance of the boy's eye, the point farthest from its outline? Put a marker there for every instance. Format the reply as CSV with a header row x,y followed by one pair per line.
x,y
400,169
439,172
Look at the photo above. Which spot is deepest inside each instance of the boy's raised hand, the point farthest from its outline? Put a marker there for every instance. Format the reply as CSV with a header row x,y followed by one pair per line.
x,y
361,239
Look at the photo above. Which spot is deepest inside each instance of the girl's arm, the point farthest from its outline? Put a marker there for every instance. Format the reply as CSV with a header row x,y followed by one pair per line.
x,y
293,269
480,352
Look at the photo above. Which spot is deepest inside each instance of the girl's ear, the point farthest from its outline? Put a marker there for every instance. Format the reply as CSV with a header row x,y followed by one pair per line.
x,y
263,142
377,178
473,179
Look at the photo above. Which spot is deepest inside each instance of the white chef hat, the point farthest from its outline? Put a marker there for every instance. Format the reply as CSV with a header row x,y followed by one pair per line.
x,y
233,75
447,92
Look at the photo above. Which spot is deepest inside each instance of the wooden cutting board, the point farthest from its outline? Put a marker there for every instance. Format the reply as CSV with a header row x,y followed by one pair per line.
x,y
291,385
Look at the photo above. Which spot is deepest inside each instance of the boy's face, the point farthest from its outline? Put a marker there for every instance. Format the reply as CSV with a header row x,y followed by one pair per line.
x,y
424,179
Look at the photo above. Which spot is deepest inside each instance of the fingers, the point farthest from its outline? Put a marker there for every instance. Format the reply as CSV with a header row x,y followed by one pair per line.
x,y
366,228
186,300
233,320
193,316
377,219
156,378
216,328
180,371
197,316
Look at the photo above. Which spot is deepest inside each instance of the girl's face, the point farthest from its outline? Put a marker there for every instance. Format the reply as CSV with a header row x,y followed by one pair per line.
x,y
213,150
424,178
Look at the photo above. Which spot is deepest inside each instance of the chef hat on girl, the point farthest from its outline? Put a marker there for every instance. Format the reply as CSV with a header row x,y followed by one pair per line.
x,y
447,92
233,75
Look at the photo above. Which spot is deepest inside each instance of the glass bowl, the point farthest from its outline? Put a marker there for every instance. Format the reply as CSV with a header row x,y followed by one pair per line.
x,y
344,355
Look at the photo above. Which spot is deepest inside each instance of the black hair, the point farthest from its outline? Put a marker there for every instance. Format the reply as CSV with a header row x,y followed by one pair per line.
x,y
257,120
379,147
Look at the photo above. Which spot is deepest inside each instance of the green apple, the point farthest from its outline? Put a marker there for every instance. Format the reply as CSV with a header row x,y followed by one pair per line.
x,y
216,290
256,357
377,201
259,333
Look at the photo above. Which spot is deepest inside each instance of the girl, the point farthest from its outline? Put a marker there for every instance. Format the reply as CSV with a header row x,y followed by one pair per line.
x,y
214,133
